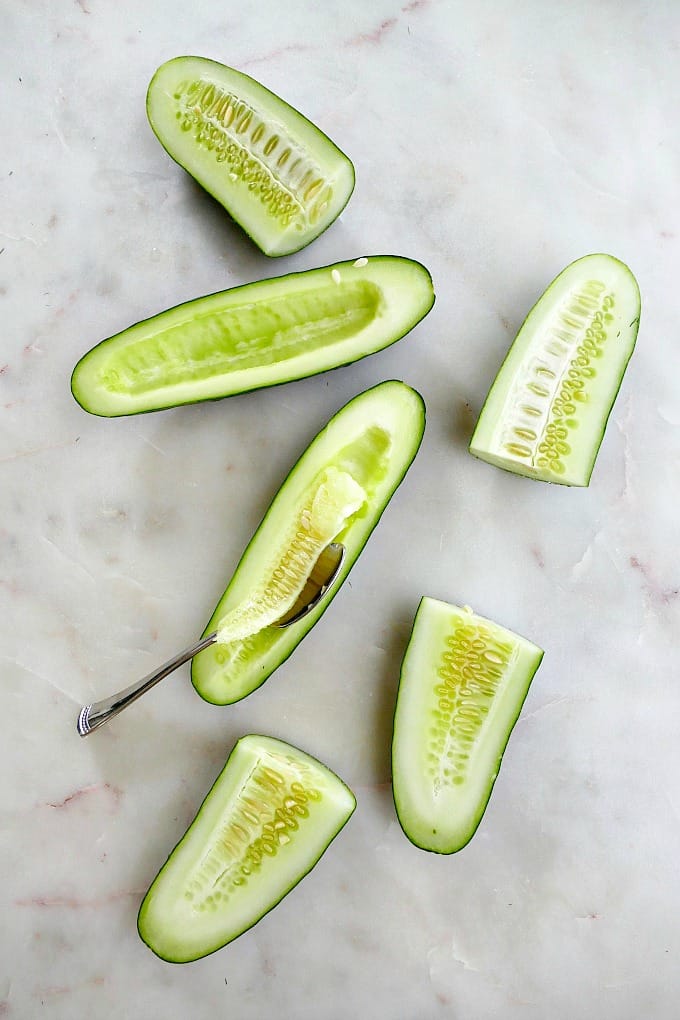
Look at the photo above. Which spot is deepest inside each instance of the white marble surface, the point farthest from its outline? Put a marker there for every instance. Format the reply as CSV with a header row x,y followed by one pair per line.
x,y
495,142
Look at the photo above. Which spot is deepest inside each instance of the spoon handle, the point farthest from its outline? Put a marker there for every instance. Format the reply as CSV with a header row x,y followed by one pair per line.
x,y
95,715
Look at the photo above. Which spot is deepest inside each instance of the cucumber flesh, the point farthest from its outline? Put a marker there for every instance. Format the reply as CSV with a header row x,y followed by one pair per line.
x,y
333,498
275,172
257,335
547,410
463,682
373,439
270,815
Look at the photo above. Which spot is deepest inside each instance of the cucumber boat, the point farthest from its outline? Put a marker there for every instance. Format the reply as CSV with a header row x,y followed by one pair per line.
x,y
270,815
337,491
256,335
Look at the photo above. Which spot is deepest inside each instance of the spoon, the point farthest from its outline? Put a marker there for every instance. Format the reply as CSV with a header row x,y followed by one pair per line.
x,y
323,574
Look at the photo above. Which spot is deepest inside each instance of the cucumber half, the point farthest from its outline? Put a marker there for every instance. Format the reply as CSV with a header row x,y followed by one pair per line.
x,y
256,335
547,410
270,815
463,682
373,440
275,173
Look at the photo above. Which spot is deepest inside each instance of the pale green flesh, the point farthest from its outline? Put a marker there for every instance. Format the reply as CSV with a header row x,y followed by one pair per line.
x,y
374,438
547,410
260,334
270,815
463,682
274,171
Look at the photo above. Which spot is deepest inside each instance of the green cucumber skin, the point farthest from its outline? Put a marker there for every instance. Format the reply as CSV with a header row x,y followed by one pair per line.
x,y
215,949
308,621
614,394
80,395
233,213
454,848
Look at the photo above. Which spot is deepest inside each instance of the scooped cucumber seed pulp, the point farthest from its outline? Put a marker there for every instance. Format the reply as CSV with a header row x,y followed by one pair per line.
x,y
324,513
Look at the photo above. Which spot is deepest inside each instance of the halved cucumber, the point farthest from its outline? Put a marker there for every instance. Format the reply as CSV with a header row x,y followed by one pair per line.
x,y
463,682
253,336
278,175
373,440
547,410
268,818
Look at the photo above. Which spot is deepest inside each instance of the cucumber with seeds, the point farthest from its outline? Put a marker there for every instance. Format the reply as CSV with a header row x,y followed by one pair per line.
x,y
547,410
257,335
337,491
463,682
281,178
270,815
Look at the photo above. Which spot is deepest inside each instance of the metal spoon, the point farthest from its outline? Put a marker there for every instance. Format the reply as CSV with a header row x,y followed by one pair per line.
x,y
322,576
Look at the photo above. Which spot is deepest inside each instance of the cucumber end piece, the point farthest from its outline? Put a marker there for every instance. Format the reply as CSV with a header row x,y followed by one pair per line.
x,y
462,686
269,817
277,174
547,410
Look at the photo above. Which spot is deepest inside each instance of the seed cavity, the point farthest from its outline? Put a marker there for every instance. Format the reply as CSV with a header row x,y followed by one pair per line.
x,y
473,666
262,818
246,336
286,180
556,377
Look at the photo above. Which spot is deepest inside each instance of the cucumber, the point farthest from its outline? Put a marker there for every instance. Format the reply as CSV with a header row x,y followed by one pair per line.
x,y
463,682
373,440
256,335
275,172
547,410
270,815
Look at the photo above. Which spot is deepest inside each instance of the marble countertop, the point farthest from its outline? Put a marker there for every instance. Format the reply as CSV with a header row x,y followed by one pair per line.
x,y
495,142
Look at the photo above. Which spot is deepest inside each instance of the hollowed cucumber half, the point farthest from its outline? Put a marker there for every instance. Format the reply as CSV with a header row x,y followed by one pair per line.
x,y
547,410
463,682
270,815
275,172
256,335
344,481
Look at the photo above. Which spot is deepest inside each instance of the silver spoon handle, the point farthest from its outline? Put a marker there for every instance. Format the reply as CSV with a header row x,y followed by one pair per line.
x,y
95,715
